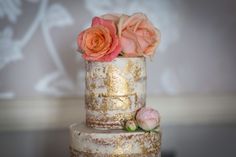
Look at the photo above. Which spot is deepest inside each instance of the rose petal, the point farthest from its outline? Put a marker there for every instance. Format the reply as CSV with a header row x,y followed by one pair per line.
x,y
134,19
132,38
112,17
106,23
112,55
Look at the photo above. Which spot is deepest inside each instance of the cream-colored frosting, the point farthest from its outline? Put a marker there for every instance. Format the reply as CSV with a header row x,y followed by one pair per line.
x,y
91,142
114,91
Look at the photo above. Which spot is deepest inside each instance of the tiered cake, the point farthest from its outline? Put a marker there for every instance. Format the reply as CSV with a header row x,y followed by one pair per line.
x,y
115,48
114,92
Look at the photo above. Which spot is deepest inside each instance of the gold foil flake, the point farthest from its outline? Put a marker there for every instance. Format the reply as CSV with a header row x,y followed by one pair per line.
x,y
123,116
118,151
129,66
118,147
151,144
142,145
122,148
116,84
128,148
104,108
88,101
122,103
93,86
134,69
115,120
104,70
137,73
122,152
117,103
95,71
104,104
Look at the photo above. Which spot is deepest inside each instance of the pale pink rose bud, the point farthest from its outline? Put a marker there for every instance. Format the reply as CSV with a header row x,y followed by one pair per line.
x,y
131,125
148,118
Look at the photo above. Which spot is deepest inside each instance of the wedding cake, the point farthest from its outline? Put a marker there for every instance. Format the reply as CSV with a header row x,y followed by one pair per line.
x,y
117,124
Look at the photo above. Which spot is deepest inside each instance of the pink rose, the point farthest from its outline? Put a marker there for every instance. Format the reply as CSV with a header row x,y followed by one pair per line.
x,y
99,42
148,118
138,36
113,17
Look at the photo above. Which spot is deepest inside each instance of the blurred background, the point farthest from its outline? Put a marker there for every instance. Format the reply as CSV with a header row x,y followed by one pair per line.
x,y
191,79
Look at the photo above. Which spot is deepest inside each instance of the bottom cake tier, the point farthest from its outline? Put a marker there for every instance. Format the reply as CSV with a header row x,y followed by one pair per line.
x,y
88,142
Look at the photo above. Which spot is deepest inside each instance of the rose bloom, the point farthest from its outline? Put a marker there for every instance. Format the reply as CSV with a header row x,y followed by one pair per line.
x,y
99,42
148,118
138,36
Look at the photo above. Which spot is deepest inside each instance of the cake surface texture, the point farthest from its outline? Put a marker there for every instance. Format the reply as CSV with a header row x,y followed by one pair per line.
x,y
89,142
114,91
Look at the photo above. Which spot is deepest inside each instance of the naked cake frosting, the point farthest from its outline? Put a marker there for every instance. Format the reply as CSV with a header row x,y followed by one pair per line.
x,y
118,123
88,142
114,91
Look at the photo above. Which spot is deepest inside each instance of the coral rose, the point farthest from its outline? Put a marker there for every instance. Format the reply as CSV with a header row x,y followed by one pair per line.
x,y
147,118
138,36
99,42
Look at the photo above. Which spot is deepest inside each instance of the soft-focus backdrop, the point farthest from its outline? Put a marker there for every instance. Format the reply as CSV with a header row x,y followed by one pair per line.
x,y
38,45
191,79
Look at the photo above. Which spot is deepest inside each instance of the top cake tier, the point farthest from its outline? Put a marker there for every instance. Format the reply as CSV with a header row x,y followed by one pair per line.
x,y
114,91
